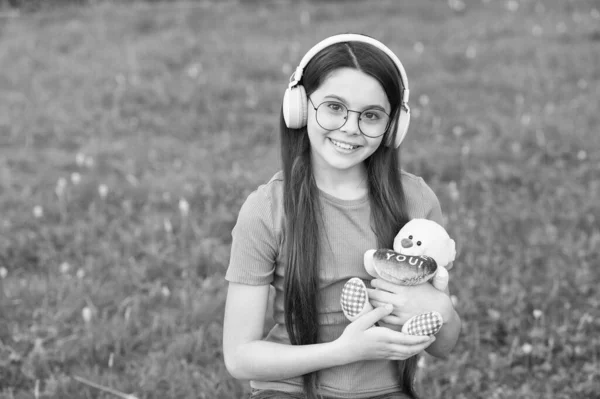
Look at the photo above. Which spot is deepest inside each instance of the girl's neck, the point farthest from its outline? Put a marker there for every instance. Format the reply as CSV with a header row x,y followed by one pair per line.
x,y
348,184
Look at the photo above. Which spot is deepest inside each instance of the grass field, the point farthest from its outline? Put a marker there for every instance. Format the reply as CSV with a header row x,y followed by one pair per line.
x,y
131,134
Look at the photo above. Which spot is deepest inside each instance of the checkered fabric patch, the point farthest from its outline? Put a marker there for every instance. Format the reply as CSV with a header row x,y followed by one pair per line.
x,y
354,296
423,324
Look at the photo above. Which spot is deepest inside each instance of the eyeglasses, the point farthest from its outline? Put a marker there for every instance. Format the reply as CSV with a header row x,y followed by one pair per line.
x,y
332,115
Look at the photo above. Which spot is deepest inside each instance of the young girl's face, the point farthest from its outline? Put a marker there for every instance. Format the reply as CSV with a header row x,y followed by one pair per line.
x,y
346,147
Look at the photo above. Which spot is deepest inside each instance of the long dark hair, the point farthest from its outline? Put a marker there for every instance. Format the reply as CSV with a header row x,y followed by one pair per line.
x,y
301,198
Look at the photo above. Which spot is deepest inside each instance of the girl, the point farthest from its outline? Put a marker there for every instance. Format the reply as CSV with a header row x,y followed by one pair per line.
x,y
340,193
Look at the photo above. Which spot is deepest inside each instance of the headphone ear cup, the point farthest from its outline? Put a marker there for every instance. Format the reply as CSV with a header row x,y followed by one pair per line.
x,y
401,126
295,107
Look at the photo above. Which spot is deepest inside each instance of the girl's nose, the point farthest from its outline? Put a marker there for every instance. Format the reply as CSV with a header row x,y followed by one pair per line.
x,y
351,125
406,243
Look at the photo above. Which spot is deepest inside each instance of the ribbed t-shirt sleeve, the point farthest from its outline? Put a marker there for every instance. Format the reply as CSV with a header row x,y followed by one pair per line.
x,y
253,246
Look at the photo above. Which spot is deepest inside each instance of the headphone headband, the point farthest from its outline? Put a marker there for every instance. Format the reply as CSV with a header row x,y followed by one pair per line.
x,y
351,37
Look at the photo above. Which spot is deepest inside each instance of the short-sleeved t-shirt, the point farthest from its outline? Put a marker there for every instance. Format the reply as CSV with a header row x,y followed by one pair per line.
x,y
258,258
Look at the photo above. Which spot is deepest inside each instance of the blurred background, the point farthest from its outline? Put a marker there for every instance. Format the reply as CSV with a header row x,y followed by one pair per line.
x,y
131,132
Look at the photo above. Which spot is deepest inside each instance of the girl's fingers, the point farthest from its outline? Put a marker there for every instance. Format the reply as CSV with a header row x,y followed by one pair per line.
x,y
391,319
386,286
404,352
381,296
402,339
368,319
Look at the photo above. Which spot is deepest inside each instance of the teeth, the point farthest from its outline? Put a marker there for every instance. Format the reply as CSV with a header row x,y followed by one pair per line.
x,y
344,146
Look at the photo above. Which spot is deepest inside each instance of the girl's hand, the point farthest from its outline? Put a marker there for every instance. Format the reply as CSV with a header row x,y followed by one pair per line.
x,y
409,301
361,340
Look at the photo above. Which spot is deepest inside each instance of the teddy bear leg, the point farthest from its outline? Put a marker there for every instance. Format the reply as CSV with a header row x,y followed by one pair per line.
x,y
355,299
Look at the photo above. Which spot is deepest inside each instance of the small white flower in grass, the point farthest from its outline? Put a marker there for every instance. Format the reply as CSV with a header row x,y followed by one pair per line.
x,y
127,314
103,190
286,69
165,291
456,5
493,314
537,313
581,155
424,100
525,119
194,70
65,267
38,211
582,84
458,130
167,225
184,207
132,179
80,159
75,178
3,272
419,47
465,150
537,30
512,5
111,360
80,273
86,314
527,348
89,162
61,184
453,191
561,27
516,147
471,52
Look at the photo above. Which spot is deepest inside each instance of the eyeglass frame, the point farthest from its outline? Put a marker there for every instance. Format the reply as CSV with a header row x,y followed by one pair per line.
x,y
348,110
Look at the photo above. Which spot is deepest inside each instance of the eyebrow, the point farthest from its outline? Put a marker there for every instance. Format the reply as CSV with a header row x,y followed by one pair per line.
x,y
373,106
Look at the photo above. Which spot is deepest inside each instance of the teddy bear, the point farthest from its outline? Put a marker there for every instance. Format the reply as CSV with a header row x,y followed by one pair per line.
x,y
422,252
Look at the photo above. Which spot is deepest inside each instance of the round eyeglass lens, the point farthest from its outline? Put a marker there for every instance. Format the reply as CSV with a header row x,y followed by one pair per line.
x,y
332,115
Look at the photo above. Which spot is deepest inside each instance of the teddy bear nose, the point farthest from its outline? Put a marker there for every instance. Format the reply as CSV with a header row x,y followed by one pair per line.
x,y
406,243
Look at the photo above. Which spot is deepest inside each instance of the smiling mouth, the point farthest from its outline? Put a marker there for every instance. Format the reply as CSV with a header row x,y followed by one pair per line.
x,y
344,146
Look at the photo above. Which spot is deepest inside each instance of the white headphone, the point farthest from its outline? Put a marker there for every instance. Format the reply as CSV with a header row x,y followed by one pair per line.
x,y
295,101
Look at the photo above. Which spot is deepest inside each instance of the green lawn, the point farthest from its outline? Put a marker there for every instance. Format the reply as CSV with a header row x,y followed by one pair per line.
x,y
130,135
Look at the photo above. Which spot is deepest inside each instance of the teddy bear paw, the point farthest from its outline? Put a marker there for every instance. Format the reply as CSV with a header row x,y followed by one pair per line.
x,y
423,324
355,299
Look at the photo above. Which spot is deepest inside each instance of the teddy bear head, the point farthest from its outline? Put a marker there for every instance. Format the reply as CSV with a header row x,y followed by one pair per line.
x,y
425,237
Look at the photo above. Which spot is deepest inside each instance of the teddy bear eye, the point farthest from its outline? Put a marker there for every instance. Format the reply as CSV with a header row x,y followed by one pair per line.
x,y
410,237
418,242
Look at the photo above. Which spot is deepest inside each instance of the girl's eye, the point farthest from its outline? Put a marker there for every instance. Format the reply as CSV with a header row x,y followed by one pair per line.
x,y
419,243
370,115
335,107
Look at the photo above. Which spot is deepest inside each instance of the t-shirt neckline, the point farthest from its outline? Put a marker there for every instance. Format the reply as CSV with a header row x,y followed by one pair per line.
x,y
344,202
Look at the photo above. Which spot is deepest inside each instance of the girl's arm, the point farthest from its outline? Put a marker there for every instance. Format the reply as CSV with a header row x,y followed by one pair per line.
x,y
446,337
247,356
